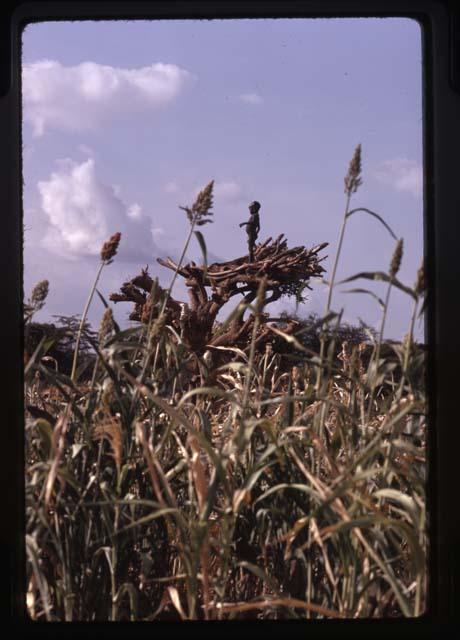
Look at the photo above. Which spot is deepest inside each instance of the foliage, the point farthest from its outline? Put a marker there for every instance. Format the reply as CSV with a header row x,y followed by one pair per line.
x,y
169,487
310,329
60,338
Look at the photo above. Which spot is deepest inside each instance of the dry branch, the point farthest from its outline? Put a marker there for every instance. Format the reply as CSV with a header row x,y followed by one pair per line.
x,y
287,271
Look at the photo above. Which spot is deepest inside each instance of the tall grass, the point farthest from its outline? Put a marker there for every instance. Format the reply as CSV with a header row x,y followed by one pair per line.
x,y
263,492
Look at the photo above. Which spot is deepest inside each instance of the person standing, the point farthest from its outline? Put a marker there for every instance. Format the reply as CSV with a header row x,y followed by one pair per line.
x,y
252,227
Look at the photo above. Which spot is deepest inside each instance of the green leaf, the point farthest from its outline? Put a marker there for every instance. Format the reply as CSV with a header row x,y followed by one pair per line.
x,y
34,356
45,431
381,275
251,480
234,350
298,487
48,344
374,215
260,573
371,293
326,319
103,300
121,335
407,503
65,475
106,552
202,243
356,523
213,392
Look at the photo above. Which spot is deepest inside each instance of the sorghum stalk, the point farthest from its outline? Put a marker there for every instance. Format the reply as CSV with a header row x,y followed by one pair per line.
x,y
108,252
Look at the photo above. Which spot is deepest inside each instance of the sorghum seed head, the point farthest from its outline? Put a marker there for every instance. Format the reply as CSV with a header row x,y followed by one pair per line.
x,y
203,202
189,213
201,207
106,326
407,339
396,259
353,177
420,284
109,248
110,428
108,393
39,293
157,326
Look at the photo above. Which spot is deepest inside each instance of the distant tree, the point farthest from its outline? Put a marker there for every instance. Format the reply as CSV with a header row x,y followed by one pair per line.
x,y
63,333
309,329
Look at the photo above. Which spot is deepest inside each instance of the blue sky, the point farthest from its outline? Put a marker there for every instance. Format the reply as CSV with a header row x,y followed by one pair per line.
x,y
124,121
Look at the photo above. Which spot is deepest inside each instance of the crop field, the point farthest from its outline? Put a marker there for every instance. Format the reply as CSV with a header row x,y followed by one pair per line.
x,y
198,468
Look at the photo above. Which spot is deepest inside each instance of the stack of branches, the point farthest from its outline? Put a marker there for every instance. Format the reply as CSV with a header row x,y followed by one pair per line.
x,y
146,294
285,272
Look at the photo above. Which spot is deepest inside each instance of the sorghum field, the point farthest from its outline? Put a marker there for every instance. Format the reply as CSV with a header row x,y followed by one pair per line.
x,y
189,468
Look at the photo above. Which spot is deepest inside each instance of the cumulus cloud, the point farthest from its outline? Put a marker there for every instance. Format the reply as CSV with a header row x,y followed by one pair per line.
x,y
82,212
134,211
401,174
251,98
158,233
228,191
84,96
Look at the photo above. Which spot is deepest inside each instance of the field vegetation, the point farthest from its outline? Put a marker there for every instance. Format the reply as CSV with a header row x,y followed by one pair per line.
x,y
192,468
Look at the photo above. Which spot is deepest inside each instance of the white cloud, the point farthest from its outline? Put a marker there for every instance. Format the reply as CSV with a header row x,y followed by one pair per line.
x,y
251,98
134,211
86,95
82,213
401,174
227,191
157,233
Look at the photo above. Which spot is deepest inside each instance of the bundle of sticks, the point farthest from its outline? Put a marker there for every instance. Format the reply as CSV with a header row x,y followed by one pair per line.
x,y
284,271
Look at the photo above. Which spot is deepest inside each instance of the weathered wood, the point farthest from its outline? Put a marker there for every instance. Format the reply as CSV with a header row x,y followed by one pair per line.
x,y
283,269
